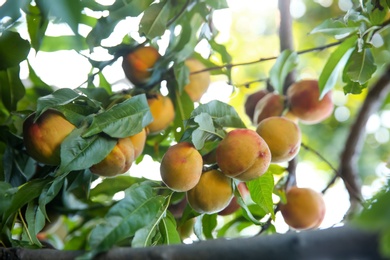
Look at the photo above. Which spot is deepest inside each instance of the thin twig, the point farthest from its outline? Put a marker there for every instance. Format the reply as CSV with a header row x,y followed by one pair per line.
x,y
231,65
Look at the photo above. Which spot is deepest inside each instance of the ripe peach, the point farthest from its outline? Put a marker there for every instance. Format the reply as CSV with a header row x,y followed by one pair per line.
x,y
304,102
43,138
118,161
212,194
305,208
283,137
271,105
163,113
240,150
138,141
138,64
198,82
181,167
251,101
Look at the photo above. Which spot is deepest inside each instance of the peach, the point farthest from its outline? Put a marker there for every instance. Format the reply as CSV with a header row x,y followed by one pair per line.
x,y
118,161
163,112
138,141
270,105
181,167
251,101
198,82
240,150
304,102
212,194
283,137
43,137
138,64
305,208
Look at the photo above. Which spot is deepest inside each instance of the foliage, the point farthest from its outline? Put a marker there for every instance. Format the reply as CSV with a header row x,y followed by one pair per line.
x,y
136,211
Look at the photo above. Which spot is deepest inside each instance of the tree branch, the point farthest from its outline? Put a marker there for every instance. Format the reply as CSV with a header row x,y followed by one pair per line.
x,y
333,243
354,143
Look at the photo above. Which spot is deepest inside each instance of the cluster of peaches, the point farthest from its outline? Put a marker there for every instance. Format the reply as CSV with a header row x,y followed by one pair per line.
x,y
242,155
245,154
43,135
304,207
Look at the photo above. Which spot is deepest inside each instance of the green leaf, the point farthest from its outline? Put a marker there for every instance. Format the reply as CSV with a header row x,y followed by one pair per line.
x,y
5,197
384,243
11,87
144,236
50,190
13,49
35,221
110,186
360,66
154,21
246,210
334,65
182,74
209,223
168,230
78,153
353,87
335,28
64,42
276,169
285,63
118,12
182,45
25,193
67,11
222,114
376,214
135,211
261,190
203,131
36,25
220,4
59,97
378,12
11,9
122,120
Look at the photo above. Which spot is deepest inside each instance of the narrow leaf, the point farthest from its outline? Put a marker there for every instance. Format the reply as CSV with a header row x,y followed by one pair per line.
x,y
284,64
26,193
246,211
11,87
334,65
203,131
154,21
78,153
13,49
335,28
136,211
35,221
122,120
209,223
361,66
223,114
169,231
261,192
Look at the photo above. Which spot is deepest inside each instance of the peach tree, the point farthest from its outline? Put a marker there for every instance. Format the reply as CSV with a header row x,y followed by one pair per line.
x,y
68,153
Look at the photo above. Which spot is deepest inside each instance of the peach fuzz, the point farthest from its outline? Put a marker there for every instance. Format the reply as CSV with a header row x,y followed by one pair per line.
x,y
181,167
